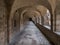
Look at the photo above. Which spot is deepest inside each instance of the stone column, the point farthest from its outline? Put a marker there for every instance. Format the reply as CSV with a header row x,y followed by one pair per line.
x,y
54,21
21,23
51,20
42,20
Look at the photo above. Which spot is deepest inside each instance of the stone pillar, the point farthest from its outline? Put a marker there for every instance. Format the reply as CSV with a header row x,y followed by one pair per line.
x,y
21,23
51,20
35,20
42,20
38,20
54,21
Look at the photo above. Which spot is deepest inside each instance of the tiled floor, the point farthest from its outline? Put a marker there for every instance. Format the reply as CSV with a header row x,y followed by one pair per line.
x,y
30,36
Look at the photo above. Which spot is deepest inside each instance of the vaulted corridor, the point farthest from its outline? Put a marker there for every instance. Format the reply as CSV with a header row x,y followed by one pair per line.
x,y
30,36
29,22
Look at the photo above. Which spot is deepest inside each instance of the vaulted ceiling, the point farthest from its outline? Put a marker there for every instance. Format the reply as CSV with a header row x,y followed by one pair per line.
x,y
13,5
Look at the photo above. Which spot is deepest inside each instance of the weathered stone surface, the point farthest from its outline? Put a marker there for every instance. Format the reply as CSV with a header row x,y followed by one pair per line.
x,y
2,38
3,25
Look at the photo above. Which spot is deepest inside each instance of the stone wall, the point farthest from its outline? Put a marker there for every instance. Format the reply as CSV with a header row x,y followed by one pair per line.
x,y
15,26
3,23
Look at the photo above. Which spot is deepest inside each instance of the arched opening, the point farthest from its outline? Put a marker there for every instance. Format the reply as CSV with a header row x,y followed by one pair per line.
x,y
27,12
47,19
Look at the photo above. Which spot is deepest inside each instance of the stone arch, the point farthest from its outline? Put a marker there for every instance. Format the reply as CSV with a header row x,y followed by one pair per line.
x,y
29,3
32,10
16,6
22,9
